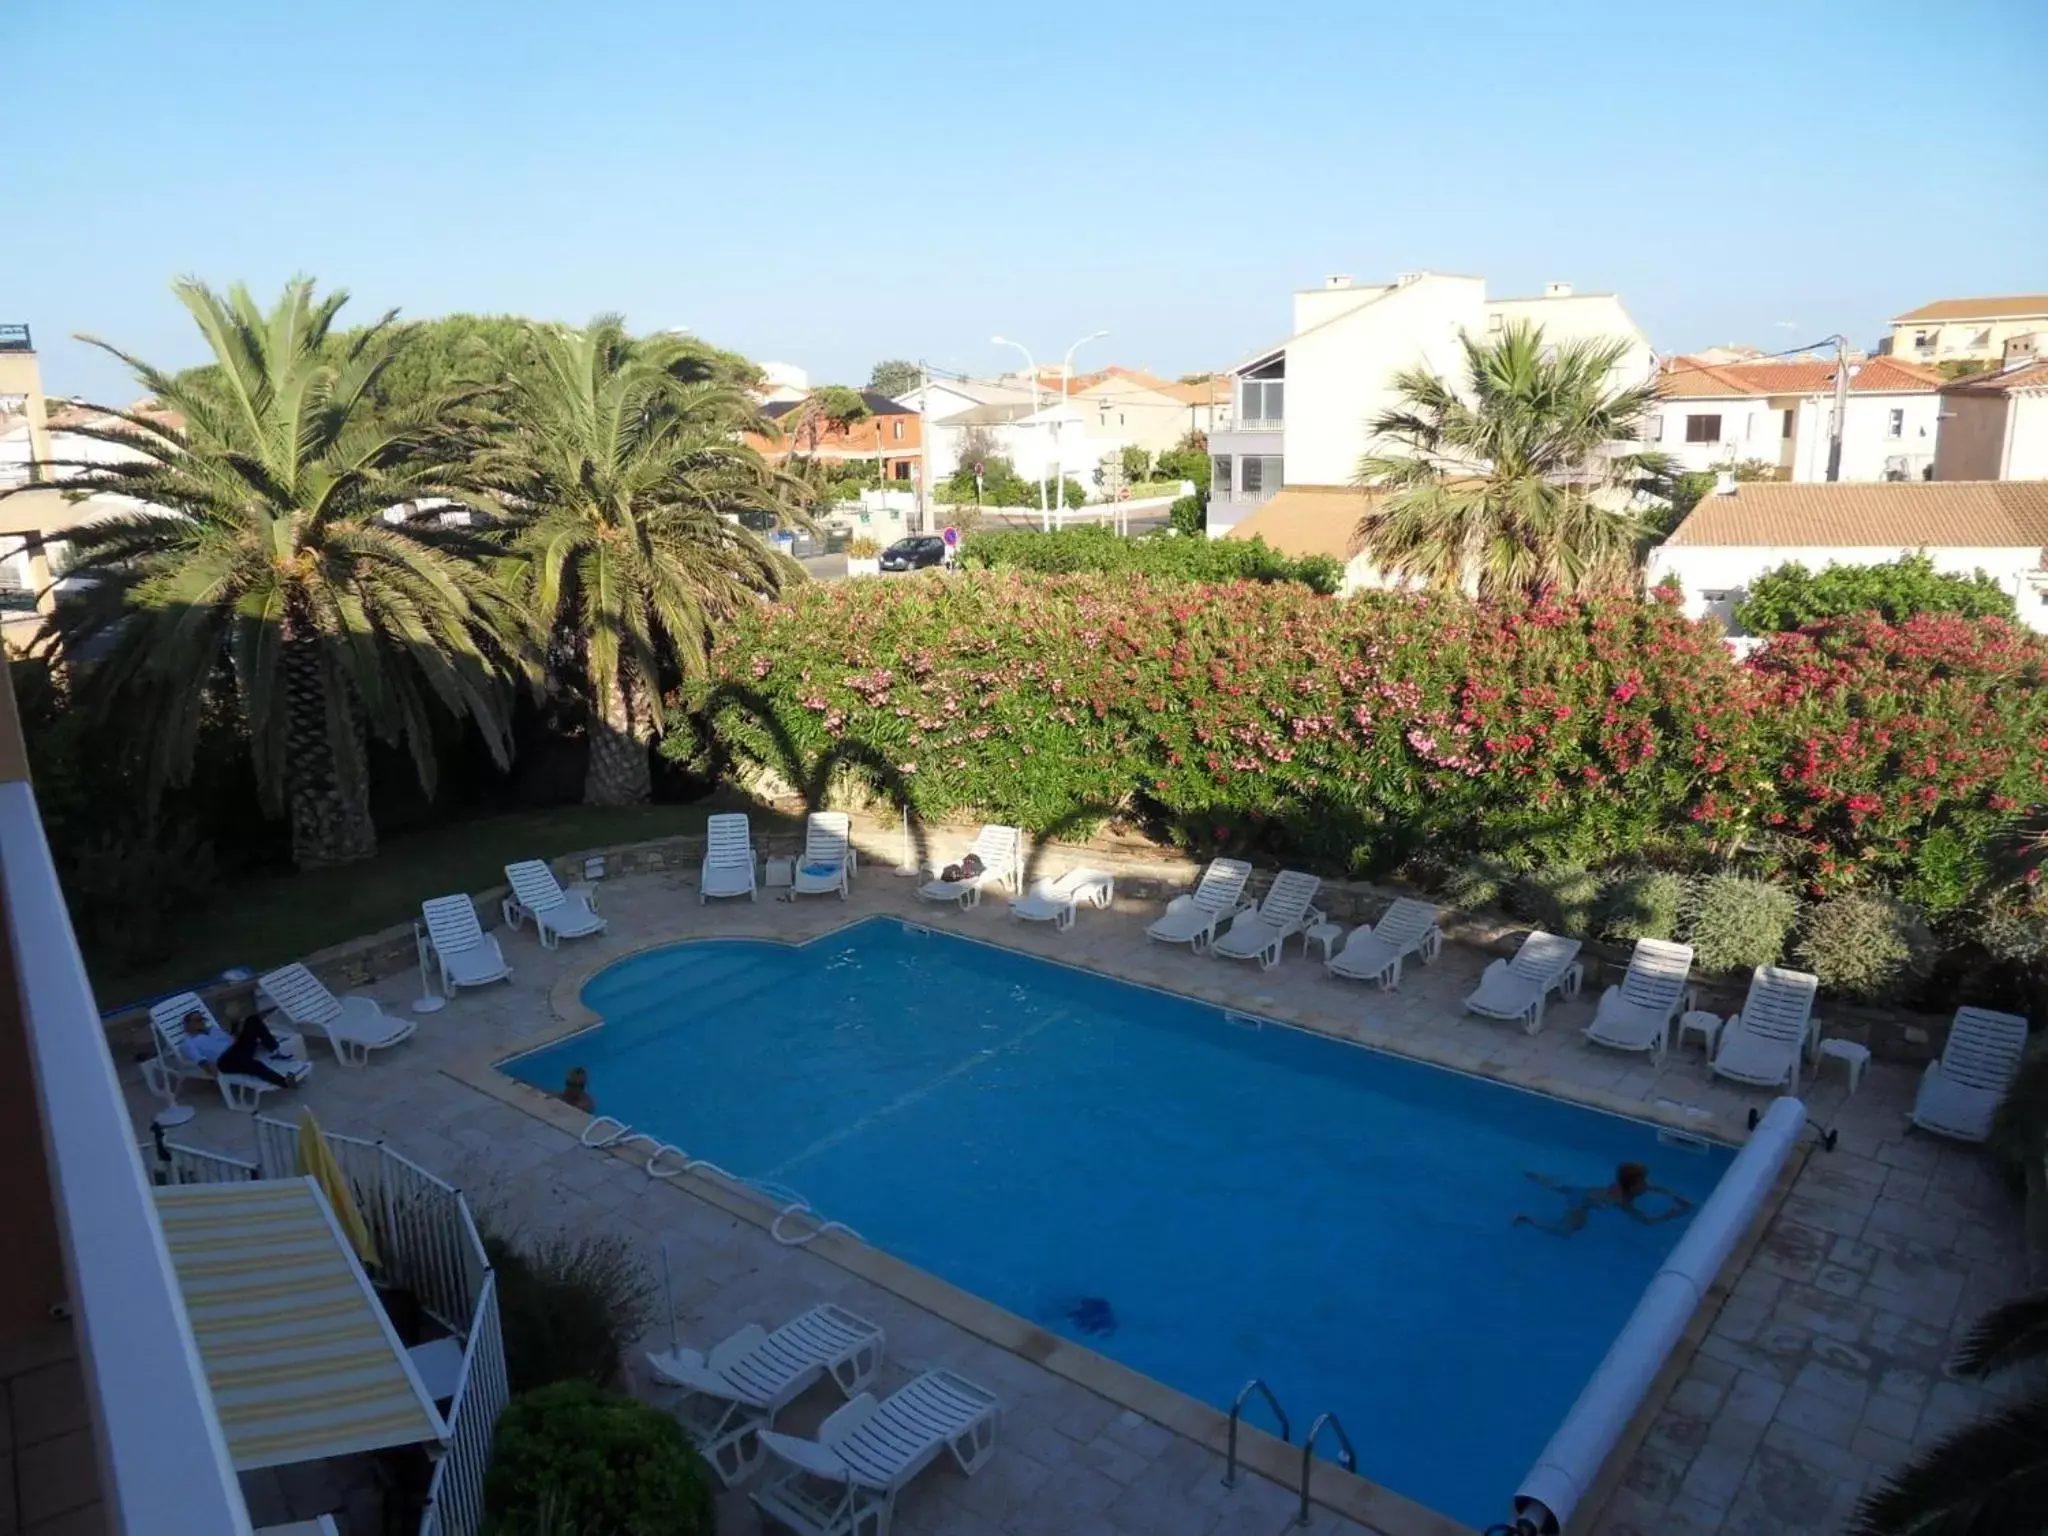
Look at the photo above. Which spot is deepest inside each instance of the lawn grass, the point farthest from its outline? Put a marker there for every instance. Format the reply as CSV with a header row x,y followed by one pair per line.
x,y
267,920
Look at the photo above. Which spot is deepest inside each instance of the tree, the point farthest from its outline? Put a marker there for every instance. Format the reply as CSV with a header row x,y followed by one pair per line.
x,y
1521,490
614,462
1188,459
1989,1478
1791,597
1136,464
266,568
895,378
829,405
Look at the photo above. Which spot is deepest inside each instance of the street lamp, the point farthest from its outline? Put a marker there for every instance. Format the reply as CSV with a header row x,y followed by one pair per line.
x,y
1031,364
1060,460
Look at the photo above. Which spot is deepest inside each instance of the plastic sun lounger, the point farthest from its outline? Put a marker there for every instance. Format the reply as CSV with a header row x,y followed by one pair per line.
x,y
1262,933
1517,989
1636,1013
240,1093
355,1025
557,914
845,1482
728,868
1054,901
1001,850
1375,953
1191,918
752,1376
468,956
1762,1044
827,864
1959,1093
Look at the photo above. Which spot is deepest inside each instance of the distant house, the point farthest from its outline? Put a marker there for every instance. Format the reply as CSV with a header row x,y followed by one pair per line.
x,y
1316,520
1743,530
1780,412
890,432
942,402
1965,330
1994,426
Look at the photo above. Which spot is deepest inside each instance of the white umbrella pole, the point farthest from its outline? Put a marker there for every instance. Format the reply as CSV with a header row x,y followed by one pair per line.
x,y
668,1296
429,1001
905,865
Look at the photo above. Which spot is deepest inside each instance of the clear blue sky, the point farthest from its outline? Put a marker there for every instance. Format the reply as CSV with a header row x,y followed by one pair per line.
x,y
830,184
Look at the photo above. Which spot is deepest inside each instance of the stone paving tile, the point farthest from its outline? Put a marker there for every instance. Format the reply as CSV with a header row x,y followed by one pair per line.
x,y
1818,1374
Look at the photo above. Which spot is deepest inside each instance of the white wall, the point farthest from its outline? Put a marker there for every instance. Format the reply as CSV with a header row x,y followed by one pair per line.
x,y
1312,306
1585,317
2027,452
1729,569
1752,427
1867,445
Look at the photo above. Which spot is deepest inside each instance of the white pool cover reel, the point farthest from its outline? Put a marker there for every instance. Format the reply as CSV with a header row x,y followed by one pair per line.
x,y
1564,1473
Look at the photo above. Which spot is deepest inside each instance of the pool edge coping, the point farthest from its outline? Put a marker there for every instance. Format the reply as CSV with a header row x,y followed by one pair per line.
x,y
1353,1496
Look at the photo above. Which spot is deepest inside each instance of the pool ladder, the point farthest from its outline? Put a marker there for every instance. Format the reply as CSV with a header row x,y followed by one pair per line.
x,y
1346,1456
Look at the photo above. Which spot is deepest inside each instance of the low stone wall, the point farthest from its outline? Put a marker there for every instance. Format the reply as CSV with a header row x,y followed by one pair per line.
x,y
1144,872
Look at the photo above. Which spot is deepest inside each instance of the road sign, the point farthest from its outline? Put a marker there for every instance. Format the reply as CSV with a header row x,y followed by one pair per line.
x,y
952,537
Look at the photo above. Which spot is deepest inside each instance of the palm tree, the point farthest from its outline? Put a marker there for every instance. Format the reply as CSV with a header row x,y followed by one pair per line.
x,y
616,462
1528,479
262,566
1991,1478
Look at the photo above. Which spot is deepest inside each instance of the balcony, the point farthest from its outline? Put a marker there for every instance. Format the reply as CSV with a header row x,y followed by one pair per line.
x,y
15,338
1258,424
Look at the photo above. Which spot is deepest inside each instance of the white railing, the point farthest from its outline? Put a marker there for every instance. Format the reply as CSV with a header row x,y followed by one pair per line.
x,y
1258,424
171,1162
455,1498
163,1464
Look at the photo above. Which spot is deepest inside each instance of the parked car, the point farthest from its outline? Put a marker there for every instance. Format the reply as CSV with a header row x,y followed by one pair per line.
x,y
914,553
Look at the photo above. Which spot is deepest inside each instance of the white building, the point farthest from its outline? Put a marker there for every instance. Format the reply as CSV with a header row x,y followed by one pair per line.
x,y
941,402
1741,531
1780,412
783,384
1300,407
1995,426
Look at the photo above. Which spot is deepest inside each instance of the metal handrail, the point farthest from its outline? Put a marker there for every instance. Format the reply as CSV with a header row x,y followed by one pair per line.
x,y
1258,1385
15,338
1348,1460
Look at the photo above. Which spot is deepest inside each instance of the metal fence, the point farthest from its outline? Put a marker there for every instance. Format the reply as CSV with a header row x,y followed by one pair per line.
x,y
171,1162
455,1498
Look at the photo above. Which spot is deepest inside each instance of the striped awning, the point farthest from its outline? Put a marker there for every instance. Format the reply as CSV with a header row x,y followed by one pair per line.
x,y
302,1361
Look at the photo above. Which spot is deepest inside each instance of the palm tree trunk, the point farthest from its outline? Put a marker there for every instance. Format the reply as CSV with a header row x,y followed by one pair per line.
x,y
330,819
620,733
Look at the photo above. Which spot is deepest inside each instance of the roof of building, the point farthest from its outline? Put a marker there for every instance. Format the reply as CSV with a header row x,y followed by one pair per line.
x,y
2002,381
1906,514
1308,520
1215,389
877,404
2018,306
993,414
1691,378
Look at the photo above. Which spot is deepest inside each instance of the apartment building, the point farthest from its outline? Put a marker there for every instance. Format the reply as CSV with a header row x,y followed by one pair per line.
x,y
1299,408
1965,330
1780,412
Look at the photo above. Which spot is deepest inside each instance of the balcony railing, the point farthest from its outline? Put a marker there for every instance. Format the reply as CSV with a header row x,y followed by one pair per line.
x,y
1258,424
15,338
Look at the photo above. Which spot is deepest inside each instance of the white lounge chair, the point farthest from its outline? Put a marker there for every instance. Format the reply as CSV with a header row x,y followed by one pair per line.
x,y
1518,988
167,1023
1001,851
1262,933
557,914
744,1382
845,1482
1762,1044
728,859
828,861
1191,918
1054,901
468,956
1636,1013
355,1025
1375,952
1959,1092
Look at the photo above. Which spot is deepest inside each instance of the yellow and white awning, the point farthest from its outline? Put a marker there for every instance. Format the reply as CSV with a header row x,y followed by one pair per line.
x,y
302,1361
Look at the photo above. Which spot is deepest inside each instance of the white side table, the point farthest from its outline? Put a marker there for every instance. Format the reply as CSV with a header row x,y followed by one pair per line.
x,y
1857,1056
1324,934
1699,1022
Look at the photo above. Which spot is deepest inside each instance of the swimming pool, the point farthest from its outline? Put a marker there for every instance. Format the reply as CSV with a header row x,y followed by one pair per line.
x,y
1199,1196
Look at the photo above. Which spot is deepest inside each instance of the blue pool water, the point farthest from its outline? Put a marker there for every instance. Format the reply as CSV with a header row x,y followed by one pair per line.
x,y
1199,1197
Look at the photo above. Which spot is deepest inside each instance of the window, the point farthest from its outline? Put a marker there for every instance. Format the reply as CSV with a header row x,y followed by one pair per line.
x,y
1653,428
1895,424
1752,430
1703,429
1219,474
1259,474
902,470
1923,341
1262,400
1788,424
897,429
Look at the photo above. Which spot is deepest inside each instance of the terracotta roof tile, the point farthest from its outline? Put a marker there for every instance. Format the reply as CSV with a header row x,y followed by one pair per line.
x,y
2002,382
1955,514
1308,520
2019,306
1687,378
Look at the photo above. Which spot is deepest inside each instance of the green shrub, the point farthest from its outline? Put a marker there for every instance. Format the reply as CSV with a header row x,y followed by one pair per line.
x,y
1864,946
1097,549
573,1460
1736,924
569,1308
1642,904
1189,515
1478,884
1563,898
1791,596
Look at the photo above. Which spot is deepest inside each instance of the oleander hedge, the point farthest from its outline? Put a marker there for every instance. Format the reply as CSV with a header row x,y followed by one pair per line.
x,y
1349,735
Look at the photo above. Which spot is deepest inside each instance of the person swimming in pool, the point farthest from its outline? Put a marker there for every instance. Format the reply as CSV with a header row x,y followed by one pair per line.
x,y
1631,1183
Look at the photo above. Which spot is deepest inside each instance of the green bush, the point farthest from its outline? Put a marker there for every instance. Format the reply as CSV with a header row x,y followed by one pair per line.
x,y
1477,884
1189,515
1642,904
1791,597
569,1308
1098,549
573,1460
1736,924
1864,946
1563,898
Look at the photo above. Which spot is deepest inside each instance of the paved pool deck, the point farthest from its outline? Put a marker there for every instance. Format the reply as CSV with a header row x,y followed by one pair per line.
x,y
1820,1373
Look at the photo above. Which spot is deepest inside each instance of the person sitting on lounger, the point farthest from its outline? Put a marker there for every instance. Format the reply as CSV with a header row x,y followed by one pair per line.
x,y
241,1054
576,1091
1631,1182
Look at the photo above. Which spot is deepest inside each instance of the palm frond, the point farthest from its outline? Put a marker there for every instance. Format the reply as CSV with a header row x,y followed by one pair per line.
x,y
1989,1479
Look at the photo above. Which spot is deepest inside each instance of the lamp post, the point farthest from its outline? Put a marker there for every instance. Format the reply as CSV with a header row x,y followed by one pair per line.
x,y
1060,461
1031,364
